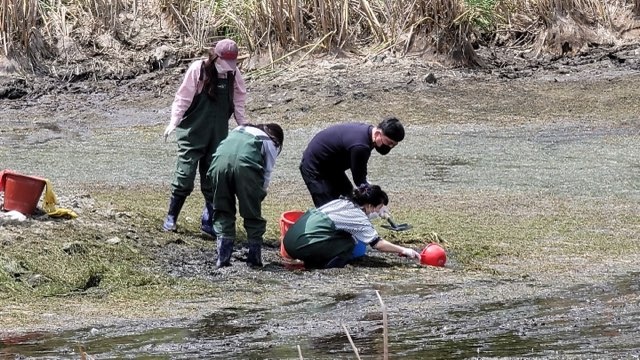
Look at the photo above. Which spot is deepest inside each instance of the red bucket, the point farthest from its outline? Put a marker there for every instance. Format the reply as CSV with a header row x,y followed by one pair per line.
x,y
287,219
22,192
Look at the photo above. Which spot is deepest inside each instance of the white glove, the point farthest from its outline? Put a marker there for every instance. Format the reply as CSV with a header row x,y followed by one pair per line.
x,y
410,253
384,212
168,130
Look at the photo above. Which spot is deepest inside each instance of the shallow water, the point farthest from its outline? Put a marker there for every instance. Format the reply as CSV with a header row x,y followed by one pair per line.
x,y
582,322
559,159
577,323
566,159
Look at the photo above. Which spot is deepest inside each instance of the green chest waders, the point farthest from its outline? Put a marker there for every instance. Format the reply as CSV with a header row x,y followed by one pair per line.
x,y
237,171
315,240
204,126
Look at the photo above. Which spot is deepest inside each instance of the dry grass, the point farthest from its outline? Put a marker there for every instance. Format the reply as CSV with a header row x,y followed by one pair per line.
x,y
75,31
565,27
362,26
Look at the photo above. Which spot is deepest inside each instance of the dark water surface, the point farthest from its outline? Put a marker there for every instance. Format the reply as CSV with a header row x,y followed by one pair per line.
x,y
586,322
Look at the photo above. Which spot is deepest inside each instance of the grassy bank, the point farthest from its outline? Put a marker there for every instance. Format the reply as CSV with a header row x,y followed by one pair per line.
x,y
112,252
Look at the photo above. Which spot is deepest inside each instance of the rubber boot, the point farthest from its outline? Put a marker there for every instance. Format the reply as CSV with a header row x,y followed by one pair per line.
x,y
175,205
207,220
225,248
254,258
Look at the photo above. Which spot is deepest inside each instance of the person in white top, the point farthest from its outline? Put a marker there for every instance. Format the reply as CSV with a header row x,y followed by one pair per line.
x,y
325,237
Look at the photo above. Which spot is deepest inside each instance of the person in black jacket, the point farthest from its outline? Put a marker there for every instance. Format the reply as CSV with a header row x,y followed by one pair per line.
x,y
345,146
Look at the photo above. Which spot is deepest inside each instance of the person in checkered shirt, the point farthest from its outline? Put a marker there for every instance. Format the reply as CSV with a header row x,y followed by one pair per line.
x,y
325,237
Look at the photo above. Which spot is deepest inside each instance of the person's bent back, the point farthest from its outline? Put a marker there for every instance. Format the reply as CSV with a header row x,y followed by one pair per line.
x,y
345,147
326,236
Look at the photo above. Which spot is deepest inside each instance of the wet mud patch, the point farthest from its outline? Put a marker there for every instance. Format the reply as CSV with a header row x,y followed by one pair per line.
x,y
181,261
582,321
228,322
550,324
197,259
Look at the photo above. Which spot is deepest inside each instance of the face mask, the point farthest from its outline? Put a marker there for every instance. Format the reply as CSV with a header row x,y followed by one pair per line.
x,y
220,69
223,67
373,215
383,149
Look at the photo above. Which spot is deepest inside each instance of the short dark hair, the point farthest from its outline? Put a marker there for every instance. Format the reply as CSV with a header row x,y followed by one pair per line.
x,y
392,128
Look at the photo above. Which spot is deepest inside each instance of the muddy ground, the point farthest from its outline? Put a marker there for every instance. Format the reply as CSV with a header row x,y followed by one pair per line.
x,y
528,168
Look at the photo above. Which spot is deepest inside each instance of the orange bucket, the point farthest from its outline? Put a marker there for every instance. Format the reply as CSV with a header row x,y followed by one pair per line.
x,y
287,219
22,192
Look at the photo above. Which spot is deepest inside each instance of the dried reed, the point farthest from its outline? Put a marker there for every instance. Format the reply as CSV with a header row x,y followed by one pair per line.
x,y
30,27
353,346
385,332
300,353
17,20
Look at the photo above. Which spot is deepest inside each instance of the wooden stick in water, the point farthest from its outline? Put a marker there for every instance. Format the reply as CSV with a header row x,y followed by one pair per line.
x,y
385,333
355,349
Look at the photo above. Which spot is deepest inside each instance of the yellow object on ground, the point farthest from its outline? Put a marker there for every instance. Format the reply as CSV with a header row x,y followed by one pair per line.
x,y
49,203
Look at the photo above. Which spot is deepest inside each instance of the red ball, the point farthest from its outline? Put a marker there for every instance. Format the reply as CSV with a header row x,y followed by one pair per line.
x,y
433,255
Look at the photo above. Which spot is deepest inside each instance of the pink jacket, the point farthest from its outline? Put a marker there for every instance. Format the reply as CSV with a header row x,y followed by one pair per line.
x,y
190,87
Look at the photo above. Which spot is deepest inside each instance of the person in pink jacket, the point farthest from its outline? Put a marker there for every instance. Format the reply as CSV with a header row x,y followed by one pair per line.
x,y
212,90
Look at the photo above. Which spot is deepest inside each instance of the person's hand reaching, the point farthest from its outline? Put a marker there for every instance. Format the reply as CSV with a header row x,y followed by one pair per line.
x,y
168,130
410,253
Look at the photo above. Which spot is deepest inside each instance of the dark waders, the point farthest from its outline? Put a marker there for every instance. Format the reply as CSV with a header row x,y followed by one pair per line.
x,y
315,240
204,126
237,170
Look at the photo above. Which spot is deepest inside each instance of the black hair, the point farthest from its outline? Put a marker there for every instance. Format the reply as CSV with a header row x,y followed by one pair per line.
x,y
369,194
392,128
275,132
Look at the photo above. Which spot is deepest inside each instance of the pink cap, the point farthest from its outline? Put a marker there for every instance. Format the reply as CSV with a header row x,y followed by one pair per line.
x,y
227,52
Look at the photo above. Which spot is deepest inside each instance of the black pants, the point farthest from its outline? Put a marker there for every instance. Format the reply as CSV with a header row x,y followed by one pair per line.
x,y
326,187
